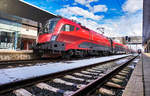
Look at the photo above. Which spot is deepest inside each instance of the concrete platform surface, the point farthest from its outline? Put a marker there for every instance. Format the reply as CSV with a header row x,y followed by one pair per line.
x,y
139,83
135,84
146,70
14,51
9,55
21,73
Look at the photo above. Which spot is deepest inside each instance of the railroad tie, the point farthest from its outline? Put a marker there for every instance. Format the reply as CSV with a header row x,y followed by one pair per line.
x,y
10,66
120,77
127,72
116,80
57,80
53,89
111,84
123,74
90,80
102,74
72,77
94,70
98,69
20,65
87,72
29,64
22,92
105,91
75,78
127,68
80,74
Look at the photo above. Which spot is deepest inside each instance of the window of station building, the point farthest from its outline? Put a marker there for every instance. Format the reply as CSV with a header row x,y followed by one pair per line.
x,y
6,40
67,27
6,37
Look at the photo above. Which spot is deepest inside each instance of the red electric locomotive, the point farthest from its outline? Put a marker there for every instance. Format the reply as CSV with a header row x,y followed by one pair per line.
x,y
68,38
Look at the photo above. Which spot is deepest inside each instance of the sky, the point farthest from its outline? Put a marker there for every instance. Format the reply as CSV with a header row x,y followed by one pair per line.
x,y
117,17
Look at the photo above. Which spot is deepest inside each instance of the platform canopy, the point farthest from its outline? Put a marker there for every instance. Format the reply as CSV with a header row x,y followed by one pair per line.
x,y
25,10
146,21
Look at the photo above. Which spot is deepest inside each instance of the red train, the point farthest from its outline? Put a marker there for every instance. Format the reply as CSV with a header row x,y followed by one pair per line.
x,y
68,38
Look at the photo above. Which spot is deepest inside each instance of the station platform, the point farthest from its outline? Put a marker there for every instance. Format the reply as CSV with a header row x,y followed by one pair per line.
x,y
10,55
139,83
14,51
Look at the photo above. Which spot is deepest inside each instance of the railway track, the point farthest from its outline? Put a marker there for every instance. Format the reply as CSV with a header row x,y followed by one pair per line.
x,y
75,82
112,84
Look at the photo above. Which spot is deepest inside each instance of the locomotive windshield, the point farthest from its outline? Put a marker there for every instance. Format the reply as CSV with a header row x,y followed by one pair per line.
x,y
50,25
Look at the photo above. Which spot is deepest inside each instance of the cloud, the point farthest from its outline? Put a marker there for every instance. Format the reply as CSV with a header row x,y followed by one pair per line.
x,y
77,11
127,25
94,9
113,9
132,6
100,8
85,2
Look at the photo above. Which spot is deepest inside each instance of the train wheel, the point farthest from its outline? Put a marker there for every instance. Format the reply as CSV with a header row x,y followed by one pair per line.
x,y
67,55
81,54
105,53
99,54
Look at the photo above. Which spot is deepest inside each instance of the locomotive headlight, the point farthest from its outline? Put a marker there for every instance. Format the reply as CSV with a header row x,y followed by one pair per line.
x,y
53,38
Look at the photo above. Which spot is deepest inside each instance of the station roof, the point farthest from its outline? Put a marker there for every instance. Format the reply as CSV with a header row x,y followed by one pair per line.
x,y
146,21
25,10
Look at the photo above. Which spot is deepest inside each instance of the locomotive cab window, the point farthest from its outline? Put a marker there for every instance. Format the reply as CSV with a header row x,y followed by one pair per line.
x,y
77,29
67,27
49,25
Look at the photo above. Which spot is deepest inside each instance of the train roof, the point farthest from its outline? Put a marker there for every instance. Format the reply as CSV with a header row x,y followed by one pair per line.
x,y
74,21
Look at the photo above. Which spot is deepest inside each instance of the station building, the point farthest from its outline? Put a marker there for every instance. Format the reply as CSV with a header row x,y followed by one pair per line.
x,y
20,23
146,26
17,33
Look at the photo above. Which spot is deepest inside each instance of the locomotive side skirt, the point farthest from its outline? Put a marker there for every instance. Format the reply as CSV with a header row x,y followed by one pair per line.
x,y
94,46
52,45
